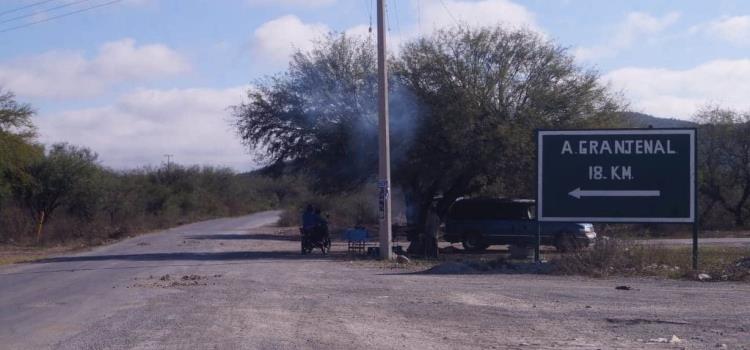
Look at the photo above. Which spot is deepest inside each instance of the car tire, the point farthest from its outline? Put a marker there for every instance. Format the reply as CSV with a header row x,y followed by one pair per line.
x,y
473,242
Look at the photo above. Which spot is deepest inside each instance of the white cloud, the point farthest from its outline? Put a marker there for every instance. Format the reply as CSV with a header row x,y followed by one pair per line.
x,y
66,74
122,60
679,93
438,14
735,30
142,126
637,25
276,40
441,13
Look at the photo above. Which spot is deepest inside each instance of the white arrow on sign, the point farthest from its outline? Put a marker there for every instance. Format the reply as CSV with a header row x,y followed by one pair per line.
x,y
578,193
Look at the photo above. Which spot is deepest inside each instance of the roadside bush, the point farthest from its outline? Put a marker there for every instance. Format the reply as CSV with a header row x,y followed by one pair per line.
x,y
87,203
616,257
607,256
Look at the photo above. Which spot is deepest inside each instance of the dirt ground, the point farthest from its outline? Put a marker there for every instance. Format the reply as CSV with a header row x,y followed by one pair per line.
x,y
228,284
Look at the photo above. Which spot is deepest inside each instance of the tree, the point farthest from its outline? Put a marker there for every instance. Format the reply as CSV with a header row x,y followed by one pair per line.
x,y
64,176
15,117
320,117
724,160
17,134
464,104
315,116
485,91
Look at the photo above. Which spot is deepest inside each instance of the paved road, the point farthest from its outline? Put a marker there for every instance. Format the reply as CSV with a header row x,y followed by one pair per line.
x,y
729,241
248,288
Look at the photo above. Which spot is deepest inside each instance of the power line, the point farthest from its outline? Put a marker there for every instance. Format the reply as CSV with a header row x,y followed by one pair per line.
x,y
59,16
47,10
395,14
25,7
448,11
387,16
419,16
369,12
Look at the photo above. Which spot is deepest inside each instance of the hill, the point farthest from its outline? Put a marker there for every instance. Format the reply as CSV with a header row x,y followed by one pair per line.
x,y
640,120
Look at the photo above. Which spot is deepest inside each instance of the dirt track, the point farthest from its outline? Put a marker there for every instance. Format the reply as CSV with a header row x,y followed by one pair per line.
x,y
234,286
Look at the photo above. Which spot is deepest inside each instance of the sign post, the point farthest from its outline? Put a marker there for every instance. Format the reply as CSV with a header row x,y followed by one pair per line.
x,y
617,176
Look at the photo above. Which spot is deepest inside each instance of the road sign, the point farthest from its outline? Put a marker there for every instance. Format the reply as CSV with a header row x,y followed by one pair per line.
x,y
626,175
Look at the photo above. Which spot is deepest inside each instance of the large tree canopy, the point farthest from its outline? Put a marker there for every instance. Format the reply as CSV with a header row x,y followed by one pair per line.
x,y
320,116
485,91
317,113
464,104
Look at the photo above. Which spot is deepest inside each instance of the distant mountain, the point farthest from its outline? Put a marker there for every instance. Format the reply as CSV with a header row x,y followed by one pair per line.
x,y
640,120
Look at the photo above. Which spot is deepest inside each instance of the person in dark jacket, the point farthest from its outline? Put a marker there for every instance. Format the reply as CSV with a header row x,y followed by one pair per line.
x,y
321,225
309,219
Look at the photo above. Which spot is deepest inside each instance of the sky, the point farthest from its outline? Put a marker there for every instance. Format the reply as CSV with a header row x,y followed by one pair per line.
x,y
135,80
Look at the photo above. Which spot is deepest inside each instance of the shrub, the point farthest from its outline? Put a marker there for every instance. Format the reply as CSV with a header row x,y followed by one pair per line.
x,y
608,257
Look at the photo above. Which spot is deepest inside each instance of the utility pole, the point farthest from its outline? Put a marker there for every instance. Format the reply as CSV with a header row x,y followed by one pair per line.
x,y
169,161
384,173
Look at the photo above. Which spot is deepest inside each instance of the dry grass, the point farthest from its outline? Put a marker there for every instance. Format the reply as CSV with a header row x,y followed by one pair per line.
x,y
414,265
12,254
613,257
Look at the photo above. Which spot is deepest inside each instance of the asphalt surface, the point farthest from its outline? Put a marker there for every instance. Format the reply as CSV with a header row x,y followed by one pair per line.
x,y
233,285
728,241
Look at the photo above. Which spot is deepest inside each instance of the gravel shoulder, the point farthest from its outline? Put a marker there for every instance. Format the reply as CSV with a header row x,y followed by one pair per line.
x,y
234,284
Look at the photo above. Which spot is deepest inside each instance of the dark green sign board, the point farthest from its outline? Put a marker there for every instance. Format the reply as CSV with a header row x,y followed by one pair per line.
x,y
627,175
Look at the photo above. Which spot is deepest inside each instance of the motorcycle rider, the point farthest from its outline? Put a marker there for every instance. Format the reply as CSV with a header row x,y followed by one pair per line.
x,y
321,225
309,219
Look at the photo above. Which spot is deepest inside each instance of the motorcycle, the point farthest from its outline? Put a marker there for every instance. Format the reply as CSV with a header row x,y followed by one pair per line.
x,y
315,237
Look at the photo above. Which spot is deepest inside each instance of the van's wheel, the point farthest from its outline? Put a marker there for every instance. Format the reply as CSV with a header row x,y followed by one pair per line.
x,y
565,243
473,242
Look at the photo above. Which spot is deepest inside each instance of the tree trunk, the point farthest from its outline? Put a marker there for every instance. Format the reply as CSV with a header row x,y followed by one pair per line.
x,y
432,226
417,239
739,219
40,227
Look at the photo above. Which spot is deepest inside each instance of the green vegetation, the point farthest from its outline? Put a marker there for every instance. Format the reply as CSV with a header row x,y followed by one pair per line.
x,y
69,197
16,135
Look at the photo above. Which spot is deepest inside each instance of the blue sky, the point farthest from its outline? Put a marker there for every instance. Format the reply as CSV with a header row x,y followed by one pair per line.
x,y
138,79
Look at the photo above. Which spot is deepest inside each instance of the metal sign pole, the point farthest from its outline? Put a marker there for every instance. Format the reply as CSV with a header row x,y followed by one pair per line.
x,y
696,221
695,245
537,253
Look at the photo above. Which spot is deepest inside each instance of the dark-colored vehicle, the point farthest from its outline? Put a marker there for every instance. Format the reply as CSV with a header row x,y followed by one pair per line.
x,y
480,222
